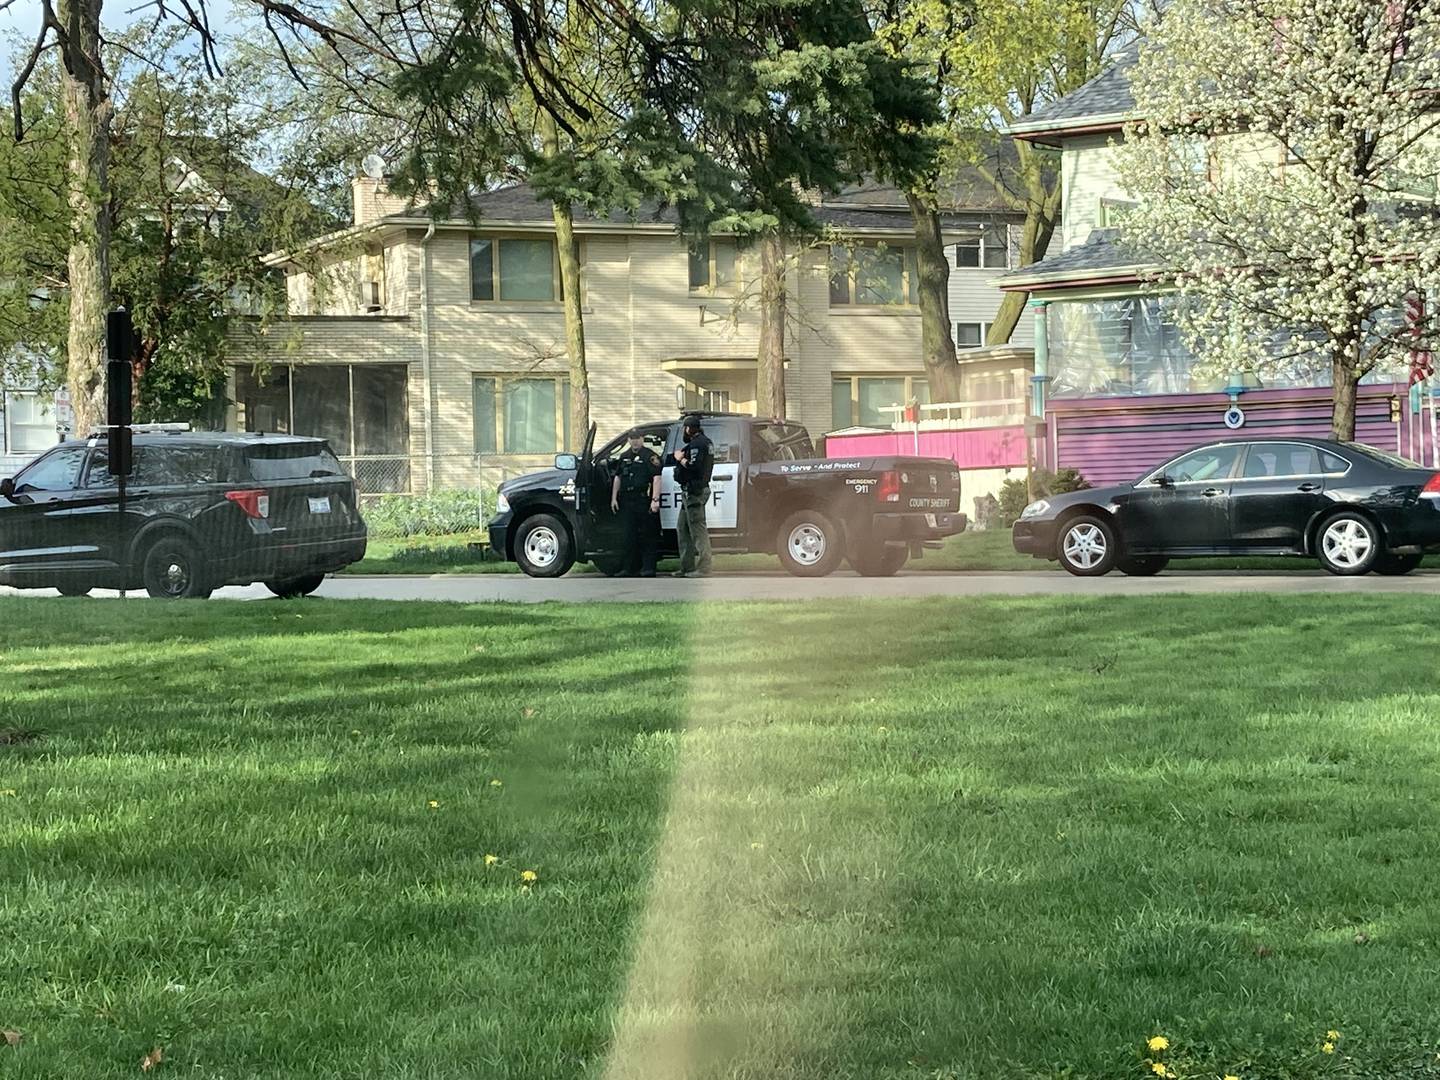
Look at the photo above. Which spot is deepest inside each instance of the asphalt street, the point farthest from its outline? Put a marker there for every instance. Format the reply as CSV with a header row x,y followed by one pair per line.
x,y
516,588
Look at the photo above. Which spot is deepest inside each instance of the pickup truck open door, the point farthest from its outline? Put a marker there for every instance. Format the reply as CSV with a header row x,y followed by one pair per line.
x,y
723,513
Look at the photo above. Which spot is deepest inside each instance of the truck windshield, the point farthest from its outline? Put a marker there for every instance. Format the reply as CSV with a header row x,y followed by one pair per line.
x,y
780,442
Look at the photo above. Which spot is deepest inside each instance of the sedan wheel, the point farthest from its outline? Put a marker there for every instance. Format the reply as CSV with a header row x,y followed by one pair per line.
x,y
1141,565
1349,545
1395,565
1087,546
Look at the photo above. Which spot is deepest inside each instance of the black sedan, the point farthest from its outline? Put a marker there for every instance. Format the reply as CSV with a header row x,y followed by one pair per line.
x,y
1352,507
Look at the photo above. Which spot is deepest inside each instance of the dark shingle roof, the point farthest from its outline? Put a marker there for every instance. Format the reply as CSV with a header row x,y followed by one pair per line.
x,y
1101,252
1105,96
968,190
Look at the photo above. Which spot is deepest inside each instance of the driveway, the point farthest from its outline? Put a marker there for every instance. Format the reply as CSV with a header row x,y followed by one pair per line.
x,y
516,588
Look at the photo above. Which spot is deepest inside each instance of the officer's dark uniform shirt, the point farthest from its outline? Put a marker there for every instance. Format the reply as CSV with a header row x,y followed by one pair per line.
x,y
693,473
637,468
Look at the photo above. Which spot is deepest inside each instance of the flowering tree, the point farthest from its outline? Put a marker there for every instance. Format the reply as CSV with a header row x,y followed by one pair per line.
x,y
1284,161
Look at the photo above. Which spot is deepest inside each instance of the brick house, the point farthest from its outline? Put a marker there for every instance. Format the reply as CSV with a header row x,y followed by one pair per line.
x,y
431,353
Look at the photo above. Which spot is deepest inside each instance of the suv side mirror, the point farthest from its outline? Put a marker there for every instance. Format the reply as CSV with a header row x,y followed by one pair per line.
x,y
7,487
566,461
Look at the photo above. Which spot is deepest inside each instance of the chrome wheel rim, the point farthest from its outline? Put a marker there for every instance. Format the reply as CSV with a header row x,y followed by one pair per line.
x,y
1347,543
806,544
1085,546
542,546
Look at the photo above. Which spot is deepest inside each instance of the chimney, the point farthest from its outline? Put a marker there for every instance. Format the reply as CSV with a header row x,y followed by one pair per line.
x,y
373,200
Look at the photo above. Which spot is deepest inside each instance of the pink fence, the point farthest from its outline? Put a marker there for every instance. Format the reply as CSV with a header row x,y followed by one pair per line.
x,y
976,448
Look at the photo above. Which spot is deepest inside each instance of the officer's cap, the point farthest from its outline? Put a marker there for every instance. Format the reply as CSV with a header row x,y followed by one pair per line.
x,y
693,421
635,433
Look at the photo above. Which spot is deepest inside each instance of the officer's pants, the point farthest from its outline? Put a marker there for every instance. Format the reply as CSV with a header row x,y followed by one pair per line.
x,y
694,535
641,535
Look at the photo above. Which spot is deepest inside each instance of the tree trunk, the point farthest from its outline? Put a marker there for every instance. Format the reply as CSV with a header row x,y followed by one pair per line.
x,y
88,115
569,256
1345,382
1035,238
937,343
770,361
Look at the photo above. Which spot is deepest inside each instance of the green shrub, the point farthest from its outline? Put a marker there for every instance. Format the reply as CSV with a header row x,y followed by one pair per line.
x,y
1014,495
437,513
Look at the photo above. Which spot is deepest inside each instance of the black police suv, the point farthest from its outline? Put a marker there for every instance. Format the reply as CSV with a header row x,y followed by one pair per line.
x,y
202,510
768,493
1352,507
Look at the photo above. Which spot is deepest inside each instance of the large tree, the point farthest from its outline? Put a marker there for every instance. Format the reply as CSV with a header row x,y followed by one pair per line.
x,y
1285,164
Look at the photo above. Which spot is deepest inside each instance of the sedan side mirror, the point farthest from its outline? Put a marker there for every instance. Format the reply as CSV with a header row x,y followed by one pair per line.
x,y
1164,481
7,487
567,462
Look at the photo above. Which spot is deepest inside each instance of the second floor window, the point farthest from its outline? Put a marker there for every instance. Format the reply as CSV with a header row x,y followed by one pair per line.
x,y
872,276
513,268
989,248
712,266
969,335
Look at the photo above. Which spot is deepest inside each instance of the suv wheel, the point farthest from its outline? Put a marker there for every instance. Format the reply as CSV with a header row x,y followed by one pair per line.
x,y
290,588
809,544
73,590
1347,544
172,570
542,546
1087,546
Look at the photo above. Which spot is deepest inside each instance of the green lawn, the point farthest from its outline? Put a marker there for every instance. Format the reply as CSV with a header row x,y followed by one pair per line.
x,y
905,841
971,551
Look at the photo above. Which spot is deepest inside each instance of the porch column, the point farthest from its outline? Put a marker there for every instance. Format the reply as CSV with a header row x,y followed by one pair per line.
x,y
1038,381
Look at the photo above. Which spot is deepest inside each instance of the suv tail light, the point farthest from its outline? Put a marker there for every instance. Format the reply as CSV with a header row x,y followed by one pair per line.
x,y
888,489
256,504
1432,487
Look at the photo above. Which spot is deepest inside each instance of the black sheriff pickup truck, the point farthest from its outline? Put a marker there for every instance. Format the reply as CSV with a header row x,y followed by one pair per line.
x,y
769,493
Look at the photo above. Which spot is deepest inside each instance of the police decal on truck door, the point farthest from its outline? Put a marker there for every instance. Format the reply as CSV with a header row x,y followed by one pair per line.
x,y
724,509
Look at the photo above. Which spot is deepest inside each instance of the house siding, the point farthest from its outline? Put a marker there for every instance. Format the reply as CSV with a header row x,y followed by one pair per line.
x,y
1088,173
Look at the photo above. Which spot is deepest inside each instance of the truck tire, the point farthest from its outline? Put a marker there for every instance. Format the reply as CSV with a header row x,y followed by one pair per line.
x,y
878,560
809,544
542,546
609,563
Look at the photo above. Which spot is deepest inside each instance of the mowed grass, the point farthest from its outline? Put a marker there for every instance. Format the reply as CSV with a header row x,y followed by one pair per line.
x,y
902,841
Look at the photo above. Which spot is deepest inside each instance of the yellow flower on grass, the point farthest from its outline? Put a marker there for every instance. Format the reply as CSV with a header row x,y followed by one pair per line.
x,y
529,877
491,860
1333,1036
8,793
434,804
1231,1076
1159,1069
496,783
1158,1043
1327,1048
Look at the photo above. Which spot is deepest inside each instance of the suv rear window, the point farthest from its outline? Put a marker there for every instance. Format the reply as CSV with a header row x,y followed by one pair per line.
x,y
291,461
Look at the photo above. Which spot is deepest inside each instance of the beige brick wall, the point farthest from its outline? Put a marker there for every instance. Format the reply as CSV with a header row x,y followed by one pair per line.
x,y
639,313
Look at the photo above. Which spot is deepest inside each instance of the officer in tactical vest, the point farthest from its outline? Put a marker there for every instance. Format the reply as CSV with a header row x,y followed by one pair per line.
x,y
695,462
635,496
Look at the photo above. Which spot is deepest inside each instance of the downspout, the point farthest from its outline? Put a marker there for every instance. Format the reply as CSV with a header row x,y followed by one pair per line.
x,y
425,357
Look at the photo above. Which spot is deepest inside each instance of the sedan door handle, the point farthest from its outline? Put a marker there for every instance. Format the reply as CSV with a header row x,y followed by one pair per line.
x,y
1310,487
1210,493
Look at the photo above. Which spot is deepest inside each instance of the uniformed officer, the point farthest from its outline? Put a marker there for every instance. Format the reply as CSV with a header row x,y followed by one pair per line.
x,y
635,496
695,462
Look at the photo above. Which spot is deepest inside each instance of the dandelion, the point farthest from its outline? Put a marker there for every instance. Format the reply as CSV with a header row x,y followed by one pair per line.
x,y
496,783
491,860
1327,1048
529,877
1332,1036
1158,1043
355,731
1159,1069
8,793
434,804
756,845
1231,1076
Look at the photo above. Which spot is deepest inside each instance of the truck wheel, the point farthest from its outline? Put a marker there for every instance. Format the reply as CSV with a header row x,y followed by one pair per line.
x,y
608,563
879,560
809,544
543,547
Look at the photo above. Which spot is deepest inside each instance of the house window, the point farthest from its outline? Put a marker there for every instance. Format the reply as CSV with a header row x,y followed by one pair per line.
x,y
28,424
873,400
1189,159
989,248
712,265
1112,212
514,268
872,276
521,414
969,335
